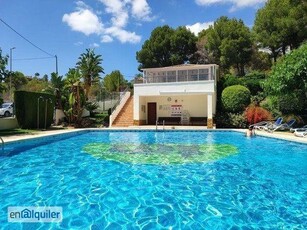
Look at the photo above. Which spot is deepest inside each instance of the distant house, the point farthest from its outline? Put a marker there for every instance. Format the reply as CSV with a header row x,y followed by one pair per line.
x,y
181,94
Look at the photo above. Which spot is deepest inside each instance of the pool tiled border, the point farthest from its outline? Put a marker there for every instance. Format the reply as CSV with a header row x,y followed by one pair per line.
x,y
72,132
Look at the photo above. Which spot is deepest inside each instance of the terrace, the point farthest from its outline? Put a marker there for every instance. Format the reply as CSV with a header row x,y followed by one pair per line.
x,y
180,73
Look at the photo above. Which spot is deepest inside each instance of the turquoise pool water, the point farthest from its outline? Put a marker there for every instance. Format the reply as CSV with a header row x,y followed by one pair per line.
x,y
260,185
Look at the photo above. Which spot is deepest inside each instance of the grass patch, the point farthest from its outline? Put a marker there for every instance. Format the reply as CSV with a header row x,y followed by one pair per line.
x,y
11,132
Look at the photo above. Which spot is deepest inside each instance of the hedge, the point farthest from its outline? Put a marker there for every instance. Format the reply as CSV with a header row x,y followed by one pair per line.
x,y
253,81
26,104
235,98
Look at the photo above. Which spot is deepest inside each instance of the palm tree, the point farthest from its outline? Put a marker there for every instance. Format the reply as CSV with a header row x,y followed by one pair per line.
x,y
73,85
89,65
56,88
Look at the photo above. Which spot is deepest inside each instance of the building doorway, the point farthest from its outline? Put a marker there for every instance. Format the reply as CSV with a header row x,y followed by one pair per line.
x,y
151,113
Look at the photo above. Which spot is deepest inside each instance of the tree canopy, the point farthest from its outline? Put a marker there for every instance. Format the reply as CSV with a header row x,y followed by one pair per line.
x,y
289,74
279,24
18,80
167,46
89,65
3,71
229,41
114,81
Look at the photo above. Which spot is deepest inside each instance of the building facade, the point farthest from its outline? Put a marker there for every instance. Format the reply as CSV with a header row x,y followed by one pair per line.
x,y
183,94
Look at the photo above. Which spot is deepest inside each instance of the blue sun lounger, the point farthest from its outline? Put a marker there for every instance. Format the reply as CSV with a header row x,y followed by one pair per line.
x,y
267,125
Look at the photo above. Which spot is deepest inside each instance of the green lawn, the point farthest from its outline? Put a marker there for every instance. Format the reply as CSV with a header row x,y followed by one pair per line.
x,y
11,132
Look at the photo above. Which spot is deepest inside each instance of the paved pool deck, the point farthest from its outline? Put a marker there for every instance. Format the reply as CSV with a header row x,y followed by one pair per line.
x,y
280,135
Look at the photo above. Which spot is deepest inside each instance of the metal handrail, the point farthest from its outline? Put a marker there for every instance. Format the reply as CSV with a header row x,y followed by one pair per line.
x,y
119,100
2,144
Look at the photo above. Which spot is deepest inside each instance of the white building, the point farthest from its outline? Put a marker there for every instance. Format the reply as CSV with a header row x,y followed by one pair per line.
x,y
183,94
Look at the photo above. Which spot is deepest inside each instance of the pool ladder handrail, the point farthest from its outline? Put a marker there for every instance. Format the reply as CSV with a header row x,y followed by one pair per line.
x,y
158,123
2,143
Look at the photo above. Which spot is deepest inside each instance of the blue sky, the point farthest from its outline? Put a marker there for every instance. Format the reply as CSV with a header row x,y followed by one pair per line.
x,y
115,28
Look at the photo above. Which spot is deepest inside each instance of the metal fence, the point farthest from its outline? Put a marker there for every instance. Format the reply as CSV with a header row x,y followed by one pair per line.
x,y
108,100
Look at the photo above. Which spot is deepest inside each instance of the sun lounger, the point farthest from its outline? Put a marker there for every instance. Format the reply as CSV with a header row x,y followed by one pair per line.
x,y
273,126
285,126
267,125
260,125
300,133
304,128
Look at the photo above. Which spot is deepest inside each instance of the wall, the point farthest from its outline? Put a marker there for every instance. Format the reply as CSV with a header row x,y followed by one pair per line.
x,y
8,123
158,91
196,105
117,110
193,87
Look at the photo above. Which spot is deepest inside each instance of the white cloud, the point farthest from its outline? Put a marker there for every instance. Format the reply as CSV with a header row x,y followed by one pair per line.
x,y
94,45
106,39
123,36
141,10
118,11
82,5
83,20
235,4
197,27
208,2
78,43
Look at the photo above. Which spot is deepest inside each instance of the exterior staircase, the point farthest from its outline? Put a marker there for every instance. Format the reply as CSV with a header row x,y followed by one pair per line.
x,y
125,116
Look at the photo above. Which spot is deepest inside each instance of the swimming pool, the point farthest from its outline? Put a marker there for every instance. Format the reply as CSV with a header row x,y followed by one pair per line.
x,y
255,183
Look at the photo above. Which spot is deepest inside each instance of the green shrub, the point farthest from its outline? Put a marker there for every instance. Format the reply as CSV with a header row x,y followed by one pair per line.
x,y
102,119
253,81
237,120
271,104
285,104
91,106
291,103
26,104
235,98
258,98
255,75
231,120
254,85
230,80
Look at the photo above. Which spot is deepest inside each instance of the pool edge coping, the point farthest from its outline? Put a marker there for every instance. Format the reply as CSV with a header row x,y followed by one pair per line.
x,y
12,139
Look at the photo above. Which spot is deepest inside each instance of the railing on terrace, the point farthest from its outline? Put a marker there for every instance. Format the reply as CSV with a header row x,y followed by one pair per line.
x,y
177,76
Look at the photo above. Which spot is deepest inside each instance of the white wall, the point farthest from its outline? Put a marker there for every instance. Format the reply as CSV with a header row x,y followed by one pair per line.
x,y
8,123
123,100
189,93
196,105
193,87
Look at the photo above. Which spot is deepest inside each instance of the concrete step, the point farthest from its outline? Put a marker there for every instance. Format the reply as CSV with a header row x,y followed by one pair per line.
x,y
125,116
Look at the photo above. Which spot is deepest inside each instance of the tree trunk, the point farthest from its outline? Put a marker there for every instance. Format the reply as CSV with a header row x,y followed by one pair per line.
x,y
238,68
284,49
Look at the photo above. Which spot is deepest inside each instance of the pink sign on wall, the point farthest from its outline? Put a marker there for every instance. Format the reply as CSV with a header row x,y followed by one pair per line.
x,y
176,110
